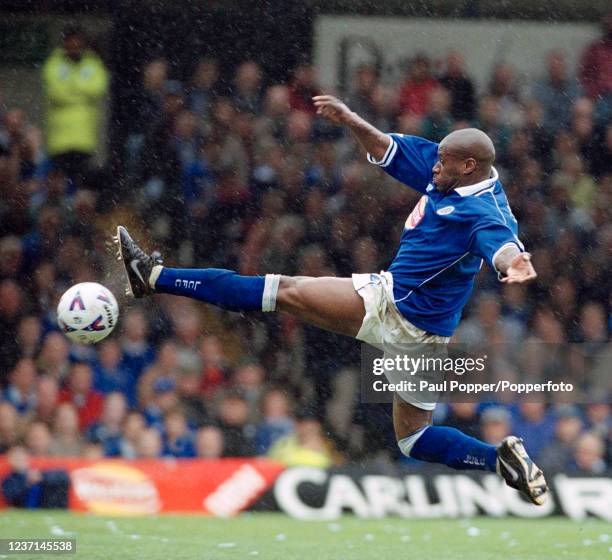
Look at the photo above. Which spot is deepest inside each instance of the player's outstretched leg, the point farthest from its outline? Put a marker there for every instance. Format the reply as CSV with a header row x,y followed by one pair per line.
x,y
329,303
451,447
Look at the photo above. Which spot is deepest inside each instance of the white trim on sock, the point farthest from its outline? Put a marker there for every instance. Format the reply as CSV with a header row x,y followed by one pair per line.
x,y
407,443
155,272
268,299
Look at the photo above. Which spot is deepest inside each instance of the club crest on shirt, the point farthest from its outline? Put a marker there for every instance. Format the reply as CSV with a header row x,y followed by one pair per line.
x,y
417,213
445,211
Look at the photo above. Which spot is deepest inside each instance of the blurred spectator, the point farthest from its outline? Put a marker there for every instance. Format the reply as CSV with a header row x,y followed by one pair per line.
x,y
277,421
535,424
38,439
9,426
495,425
460,86
27,487
75,80
53,358
237,432
204,87
303,87
133,427
165,367
306,447
596,69
504,89
556,454
557,92
209,443
589,455
137,352
149,445
79,391
109,373
67,439
177,438
215,365
464,417
416,89
437,122
247,87
362,97
47,398
164,400
107,430
20,391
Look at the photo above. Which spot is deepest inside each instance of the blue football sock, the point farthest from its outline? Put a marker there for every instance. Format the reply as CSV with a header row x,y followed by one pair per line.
x,y
451,447
223,288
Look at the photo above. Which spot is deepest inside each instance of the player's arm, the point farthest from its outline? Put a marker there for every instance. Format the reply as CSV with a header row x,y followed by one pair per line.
x,y
375,142
513,265
495,242
409,159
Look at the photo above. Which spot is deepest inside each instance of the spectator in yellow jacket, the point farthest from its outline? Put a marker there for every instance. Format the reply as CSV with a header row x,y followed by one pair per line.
x,y
308,446
75,80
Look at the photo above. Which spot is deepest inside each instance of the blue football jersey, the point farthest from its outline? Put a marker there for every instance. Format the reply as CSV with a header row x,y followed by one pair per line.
x,y
445,238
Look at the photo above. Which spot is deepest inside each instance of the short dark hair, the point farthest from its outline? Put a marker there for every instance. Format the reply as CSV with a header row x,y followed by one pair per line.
x,y
73,30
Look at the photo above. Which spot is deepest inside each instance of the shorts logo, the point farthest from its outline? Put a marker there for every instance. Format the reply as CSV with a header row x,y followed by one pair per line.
x,y
445,211
417,214
189,284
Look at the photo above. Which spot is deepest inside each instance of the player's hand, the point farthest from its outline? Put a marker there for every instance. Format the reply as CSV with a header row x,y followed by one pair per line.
x,y
331,108
520,270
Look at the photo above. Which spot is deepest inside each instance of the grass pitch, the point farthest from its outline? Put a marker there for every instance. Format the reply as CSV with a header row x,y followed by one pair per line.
x,y
274,536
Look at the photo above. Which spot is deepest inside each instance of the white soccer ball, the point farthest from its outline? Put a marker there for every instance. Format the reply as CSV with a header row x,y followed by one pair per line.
x,y
87,312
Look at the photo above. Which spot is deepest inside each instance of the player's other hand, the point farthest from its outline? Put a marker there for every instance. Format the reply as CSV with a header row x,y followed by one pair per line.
x,y
520,270
331,108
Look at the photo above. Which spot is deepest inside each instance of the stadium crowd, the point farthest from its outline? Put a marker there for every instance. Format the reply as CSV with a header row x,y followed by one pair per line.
x,y
242,174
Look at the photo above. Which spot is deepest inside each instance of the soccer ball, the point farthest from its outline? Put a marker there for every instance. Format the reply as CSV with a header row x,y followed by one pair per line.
x,y
87,312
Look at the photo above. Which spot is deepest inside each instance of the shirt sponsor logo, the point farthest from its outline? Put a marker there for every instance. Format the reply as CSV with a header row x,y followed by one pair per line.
x,y
417,214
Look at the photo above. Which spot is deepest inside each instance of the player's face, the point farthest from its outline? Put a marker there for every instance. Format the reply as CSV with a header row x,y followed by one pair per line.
x,y
446,173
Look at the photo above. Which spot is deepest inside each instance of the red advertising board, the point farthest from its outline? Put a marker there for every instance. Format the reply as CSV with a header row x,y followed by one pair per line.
x,y
221,487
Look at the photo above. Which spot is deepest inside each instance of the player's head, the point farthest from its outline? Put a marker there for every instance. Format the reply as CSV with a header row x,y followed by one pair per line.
x,y
465,157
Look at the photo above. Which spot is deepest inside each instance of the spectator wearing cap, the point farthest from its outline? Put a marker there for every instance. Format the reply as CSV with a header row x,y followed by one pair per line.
x,y
177,437
80,392
164,400
75,80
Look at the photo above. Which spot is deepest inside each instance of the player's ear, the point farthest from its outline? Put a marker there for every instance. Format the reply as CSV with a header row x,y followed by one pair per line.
x,y
469,165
